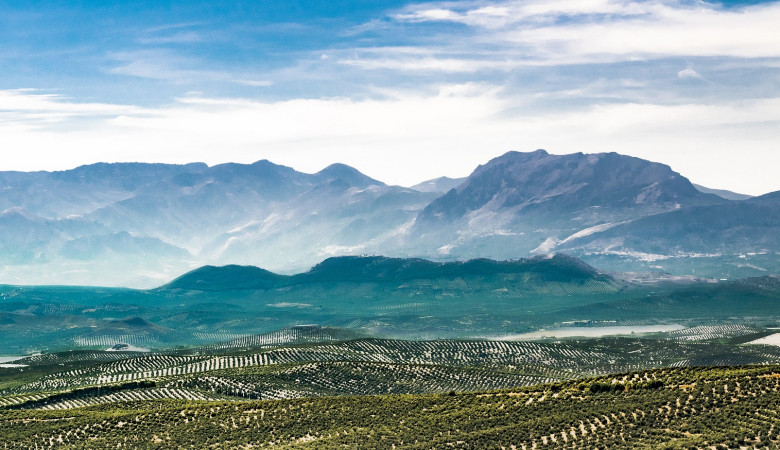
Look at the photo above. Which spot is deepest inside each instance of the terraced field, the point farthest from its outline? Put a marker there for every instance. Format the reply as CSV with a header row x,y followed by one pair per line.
x,y
660,408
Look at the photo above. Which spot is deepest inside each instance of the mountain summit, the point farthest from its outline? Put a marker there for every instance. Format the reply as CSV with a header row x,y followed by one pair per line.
x,y
538,182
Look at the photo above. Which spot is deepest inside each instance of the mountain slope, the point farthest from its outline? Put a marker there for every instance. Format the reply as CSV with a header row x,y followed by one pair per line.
x,y
521,203
733,230
540,182
232,277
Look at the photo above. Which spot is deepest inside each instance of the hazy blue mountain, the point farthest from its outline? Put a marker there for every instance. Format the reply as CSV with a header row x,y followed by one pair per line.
x,y
746,226
24,238
528,202
139,224
728,195
438,185
539,182
167,218
81,190
190,208
29,239
345,174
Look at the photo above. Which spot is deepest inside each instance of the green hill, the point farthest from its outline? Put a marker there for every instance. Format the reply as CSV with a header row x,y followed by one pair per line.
x,y
231,277
381,269
371,296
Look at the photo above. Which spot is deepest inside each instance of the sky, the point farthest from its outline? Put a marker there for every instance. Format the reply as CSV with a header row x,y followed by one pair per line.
x,y
403,91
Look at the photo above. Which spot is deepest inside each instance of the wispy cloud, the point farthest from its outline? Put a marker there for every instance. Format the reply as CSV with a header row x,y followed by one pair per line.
x,y
156,64
164,64
173,26
181,37
503,14
558,32
255,83
417,61
34,108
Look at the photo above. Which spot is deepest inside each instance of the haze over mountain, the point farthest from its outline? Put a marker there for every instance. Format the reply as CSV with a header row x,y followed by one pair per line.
x,y
729,195
140,224
440,185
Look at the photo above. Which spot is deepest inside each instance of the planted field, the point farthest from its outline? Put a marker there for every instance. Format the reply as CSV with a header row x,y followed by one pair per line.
x,y
353,367
661,408
712,332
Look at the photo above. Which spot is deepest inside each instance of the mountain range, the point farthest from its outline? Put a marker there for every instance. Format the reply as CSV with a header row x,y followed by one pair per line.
x,y
136,224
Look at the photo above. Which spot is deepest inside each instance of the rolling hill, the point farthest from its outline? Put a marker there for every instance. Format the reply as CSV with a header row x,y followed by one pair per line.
x,y
689,407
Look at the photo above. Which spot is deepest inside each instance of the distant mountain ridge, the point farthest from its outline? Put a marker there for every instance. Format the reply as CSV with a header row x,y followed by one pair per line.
x,y
137,224
440,185
728,195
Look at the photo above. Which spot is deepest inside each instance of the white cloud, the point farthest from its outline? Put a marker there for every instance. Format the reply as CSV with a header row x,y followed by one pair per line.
x,y
404,138
688,73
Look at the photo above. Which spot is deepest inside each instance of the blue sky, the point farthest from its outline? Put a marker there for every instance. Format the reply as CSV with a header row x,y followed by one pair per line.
x,y
404,91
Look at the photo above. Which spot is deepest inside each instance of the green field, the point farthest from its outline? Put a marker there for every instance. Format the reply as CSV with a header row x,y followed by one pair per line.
x,y
661,408
324,387
262,368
